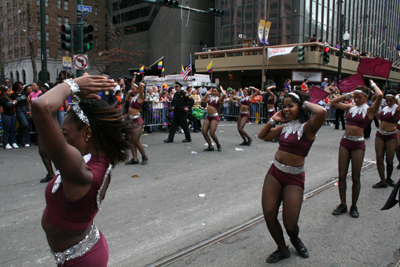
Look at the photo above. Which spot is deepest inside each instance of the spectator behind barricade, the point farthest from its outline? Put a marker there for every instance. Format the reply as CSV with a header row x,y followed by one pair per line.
x,y
171,93
153,112
118,94
256,101
288,85
234,106
9,118
202,90
203,106
313,39
240,93
164,100
35,92
324,84
304,86
197,102
226,104
356,51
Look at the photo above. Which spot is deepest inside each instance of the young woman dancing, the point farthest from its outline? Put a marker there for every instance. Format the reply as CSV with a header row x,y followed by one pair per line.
x,y
386,139
352,145
73,198
214,97
285,178
135,97
244,115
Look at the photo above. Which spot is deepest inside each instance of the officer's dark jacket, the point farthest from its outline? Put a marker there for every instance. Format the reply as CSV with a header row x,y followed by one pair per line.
x,y
182,100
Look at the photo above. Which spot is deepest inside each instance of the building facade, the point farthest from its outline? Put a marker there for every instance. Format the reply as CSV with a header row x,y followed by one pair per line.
x,y
21,37
373,25
161,32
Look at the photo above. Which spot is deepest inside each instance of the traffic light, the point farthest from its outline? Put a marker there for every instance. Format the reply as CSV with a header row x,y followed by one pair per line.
x,y
87,38
326,55
215,12
170,3
66,37
300,54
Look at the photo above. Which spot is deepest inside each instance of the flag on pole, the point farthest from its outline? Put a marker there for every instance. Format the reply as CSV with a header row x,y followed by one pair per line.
x,y
160,65
188,69
162,72
141,70
182,70
210,67
266,32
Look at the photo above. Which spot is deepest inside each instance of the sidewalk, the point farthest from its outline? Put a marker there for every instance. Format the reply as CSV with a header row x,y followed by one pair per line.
x,y
373,239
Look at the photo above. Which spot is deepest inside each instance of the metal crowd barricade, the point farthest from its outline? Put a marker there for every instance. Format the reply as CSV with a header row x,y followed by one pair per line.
x,y
156,114
258,112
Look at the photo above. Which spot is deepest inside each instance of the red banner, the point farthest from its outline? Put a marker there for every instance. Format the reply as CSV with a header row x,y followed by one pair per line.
x,y
374,67
317,94
350,83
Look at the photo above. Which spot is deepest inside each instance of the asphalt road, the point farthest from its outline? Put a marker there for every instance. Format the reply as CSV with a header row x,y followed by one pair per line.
x,y
163,211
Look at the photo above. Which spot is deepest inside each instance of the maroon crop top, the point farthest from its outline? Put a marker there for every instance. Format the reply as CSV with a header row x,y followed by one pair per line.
x,y
79,214
293,140
357,116
245,101
134,104
214,102
389,114
271,100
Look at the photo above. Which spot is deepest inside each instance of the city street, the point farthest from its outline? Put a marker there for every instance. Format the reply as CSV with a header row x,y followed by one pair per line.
x,y
185,195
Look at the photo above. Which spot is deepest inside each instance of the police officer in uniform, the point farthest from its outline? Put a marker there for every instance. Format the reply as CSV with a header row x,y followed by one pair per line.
x,y
181,104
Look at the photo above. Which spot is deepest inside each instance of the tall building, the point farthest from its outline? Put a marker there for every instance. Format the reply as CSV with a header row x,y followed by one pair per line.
x,y
373,25
159,32
21,36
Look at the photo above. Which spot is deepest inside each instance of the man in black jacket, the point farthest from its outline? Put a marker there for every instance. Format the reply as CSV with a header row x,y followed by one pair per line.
x,y
181,104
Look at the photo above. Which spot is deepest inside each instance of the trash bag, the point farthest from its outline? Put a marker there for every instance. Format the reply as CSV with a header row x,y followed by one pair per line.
x,y
198,113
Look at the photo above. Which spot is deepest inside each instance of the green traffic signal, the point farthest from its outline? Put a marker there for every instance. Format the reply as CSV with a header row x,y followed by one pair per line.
x,y
300,54
87,37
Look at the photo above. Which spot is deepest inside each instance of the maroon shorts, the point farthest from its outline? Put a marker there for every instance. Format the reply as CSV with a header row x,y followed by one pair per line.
x,y
96,257
286,178
352,145
212,118
138,121
386,138
271,113
241,115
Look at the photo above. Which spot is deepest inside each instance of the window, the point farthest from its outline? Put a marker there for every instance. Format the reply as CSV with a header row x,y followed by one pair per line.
x,y
95,26
39,52
38,35
59,38
46,3
47,19
95,10
59,4
66,20
38,17
47,36
59,21
65,5
59,53
95,41
47,52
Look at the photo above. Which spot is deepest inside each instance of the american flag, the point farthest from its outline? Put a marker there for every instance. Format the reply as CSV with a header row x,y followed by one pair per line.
x,y
188,69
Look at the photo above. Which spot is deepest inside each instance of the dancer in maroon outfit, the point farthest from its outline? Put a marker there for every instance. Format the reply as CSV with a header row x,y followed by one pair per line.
x,y
284,181
352,146
73,197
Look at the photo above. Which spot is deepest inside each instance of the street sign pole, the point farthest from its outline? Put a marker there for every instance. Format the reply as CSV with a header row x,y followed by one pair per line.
x,y
79,34
43,78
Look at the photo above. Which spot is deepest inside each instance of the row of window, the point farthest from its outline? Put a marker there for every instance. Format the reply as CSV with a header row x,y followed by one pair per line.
x,y
61,4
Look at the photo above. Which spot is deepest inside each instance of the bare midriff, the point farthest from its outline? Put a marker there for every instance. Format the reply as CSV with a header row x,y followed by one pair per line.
x,y
289,158
387,126
353,130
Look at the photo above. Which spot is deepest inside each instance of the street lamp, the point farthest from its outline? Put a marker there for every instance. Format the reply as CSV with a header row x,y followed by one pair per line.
x,y
346,38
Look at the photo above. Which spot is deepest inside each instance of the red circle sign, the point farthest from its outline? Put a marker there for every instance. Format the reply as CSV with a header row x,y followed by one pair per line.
x,y
81,62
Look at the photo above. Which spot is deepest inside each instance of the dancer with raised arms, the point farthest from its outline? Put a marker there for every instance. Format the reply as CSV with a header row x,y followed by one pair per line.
x,y
352,145
73,198
135,97
386,139
214,97
244,115
284,181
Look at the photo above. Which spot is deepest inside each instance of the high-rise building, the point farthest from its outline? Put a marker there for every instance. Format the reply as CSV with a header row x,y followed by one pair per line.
x,y
21,36
160,32
373,25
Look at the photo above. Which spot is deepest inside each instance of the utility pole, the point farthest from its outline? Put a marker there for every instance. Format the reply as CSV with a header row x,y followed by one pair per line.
x,y
79,35
263,74
43,49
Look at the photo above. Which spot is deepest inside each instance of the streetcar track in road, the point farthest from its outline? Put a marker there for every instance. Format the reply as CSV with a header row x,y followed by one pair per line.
x,y
239,228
